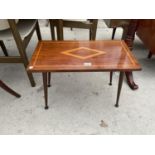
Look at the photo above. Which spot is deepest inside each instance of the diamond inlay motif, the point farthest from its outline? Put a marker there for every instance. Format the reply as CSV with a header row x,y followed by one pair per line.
x,y
83,52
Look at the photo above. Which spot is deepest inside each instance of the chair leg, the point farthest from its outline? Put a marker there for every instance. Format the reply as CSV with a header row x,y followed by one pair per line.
x,y
111,75
92,31
3,48
25,61
38,31
8,89
59,27
149,55
31,78
113,33
52,29
21,49
30,75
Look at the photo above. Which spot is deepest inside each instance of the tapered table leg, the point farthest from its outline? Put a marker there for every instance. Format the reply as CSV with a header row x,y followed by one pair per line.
x,y
119,88
49,79
38,31
111,74
45,89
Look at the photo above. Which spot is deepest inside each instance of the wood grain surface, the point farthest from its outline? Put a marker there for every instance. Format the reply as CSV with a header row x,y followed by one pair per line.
x,y
59,56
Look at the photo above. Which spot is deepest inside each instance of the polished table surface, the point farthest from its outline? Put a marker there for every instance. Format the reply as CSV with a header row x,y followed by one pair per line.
x,y
82,56
58,56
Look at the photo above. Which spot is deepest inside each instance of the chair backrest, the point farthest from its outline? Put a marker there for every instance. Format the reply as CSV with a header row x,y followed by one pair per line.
x,y
90,24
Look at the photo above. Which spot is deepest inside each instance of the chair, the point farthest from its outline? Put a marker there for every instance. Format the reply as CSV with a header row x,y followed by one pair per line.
x,y
8,89
21,33
115,23
90,24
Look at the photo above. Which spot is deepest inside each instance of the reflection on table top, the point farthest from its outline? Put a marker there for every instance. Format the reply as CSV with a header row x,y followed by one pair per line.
x,y
82,56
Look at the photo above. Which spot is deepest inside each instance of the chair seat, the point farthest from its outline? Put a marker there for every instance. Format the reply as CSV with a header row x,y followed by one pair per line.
x,y
24,26
112,23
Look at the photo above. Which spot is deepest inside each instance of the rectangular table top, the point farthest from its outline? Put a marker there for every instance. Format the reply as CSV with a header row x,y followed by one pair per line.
x,y
59,56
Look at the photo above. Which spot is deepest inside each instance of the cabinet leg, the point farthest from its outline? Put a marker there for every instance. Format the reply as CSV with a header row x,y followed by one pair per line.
x,y
149,55
130,81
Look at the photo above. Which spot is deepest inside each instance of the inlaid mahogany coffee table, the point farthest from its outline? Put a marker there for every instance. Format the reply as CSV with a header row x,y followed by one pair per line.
x,y
82,56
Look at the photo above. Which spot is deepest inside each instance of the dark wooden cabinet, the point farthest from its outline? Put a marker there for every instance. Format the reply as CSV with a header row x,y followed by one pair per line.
x,y
145,30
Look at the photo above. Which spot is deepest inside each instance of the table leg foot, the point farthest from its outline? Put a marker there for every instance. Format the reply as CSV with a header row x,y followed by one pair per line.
x,y
116,105
111,75
49,85
46,107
